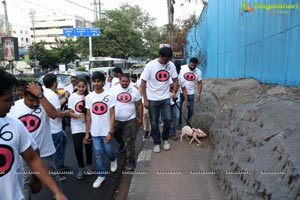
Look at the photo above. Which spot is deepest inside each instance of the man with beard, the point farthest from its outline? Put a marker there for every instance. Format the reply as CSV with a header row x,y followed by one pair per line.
x,y
190,75
126,122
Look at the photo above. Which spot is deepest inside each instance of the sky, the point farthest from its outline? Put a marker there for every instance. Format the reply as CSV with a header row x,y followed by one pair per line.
x,y
18,10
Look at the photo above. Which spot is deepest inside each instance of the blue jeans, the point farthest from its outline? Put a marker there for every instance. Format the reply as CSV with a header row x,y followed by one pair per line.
x,y
190,107
175,118
155,109
60,143
101,147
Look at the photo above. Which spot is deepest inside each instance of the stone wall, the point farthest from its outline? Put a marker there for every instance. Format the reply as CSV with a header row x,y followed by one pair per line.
x,y
255,129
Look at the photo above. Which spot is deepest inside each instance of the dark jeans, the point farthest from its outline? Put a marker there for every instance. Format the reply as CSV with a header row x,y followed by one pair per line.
x,y
155,109
78,143
190,107
127,131
60,143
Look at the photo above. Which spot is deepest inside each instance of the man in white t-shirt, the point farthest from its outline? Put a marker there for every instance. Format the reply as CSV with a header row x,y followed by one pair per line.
x,y
156,95
58,135
100,117
117,74
35,112
71,87
191,76
127,98
14,141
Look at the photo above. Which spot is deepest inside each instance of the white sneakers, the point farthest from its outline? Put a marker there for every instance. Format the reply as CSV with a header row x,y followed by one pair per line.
x,y
100,179
156,148
113,165
167,145
98,182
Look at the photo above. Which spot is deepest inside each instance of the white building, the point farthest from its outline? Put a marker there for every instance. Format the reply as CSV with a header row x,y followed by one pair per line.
x,y
47,28
23,34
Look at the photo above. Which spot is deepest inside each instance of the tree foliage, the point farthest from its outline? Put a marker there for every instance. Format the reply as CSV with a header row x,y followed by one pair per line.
x,y
180,30
63,52
66,50
127,31
44,56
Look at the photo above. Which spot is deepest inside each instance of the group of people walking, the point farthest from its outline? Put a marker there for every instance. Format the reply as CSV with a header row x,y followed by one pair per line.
x,y
97,117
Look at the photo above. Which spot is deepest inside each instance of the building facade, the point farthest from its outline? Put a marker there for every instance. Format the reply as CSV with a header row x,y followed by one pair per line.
x,y
49,27
23,34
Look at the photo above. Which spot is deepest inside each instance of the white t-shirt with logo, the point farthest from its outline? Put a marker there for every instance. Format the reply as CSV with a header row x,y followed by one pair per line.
x,y
125,102
190,78
56,124
37,122
99,105
77,103
13,142
157,76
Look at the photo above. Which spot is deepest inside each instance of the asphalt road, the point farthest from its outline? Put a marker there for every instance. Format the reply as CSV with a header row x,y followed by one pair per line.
x,y
82,189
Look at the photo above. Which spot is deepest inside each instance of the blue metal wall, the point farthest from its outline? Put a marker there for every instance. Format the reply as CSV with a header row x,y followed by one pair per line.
x,y
263,44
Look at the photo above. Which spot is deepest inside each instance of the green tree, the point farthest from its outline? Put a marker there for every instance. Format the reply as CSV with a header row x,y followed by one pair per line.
x,y
180,31
45,57
65,50
127,31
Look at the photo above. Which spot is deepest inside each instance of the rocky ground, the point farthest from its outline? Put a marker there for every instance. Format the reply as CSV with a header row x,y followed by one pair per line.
x,y
255,130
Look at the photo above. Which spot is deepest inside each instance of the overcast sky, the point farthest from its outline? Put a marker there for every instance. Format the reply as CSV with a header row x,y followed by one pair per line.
x,y
18,10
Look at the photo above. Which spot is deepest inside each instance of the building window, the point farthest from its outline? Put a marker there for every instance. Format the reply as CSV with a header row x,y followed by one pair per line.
x,y
21,31
26,40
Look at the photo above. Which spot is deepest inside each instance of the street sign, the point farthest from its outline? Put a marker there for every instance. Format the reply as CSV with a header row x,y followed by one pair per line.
x,y
68,32
93,31
81,32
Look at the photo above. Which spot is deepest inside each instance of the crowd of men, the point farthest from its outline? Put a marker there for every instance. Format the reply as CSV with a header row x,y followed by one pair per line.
x,y
31,122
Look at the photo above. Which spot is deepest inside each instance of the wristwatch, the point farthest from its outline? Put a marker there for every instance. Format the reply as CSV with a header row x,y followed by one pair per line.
x,y
40,95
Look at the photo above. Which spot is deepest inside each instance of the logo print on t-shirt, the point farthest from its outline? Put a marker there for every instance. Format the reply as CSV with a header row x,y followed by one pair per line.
x,y
162,75
124,97
189,76
99,108
80,106
6,159
171,88
31,122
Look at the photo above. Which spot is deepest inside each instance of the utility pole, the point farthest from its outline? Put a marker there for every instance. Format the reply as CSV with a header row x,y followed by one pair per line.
x,y
99,2
32,16
95,10
11,62
171,20
32,13
6,19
